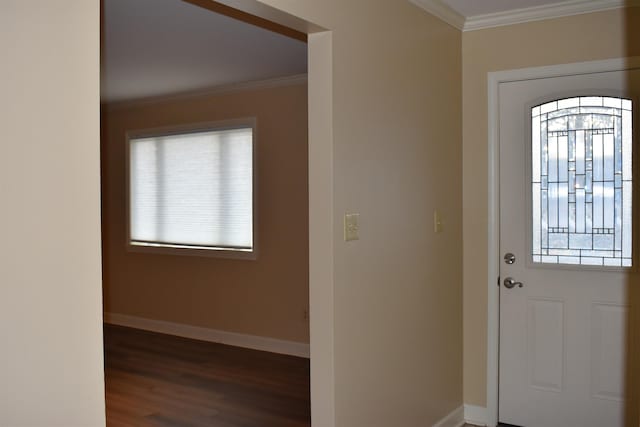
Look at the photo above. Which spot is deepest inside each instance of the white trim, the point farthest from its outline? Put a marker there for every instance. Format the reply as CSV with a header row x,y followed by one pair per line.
x,y
441,10
295,80
494,79
476,415
454,419
211,335
321,230
539,13
493,250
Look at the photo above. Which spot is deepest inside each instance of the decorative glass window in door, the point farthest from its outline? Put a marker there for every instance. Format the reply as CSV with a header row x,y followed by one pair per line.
x,y
581,164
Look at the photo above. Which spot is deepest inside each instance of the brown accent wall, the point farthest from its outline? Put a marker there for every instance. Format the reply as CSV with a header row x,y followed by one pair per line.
x,y
266,297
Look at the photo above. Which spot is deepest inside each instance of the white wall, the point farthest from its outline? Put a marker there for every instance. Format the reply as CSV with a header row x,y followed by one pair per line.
x,y
51,368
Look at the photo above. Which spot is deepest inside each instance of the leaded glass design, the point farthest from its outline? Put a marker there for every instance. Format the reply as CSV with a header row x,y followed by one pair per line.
x,y
581,166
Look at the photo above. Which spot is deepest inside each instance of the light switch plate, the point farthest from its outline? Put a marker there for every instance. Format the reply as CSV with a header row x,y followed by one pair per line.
x,y
437,222
351,226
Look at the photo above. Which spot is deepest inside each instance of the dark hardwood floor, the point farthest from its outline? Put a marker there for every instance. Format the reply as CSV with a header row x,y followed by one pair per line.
x,y
160,380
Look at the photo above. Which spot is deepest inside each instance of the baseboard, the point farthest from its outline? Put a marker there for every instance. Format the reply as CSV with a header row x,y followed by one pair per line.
x,y
476,415
453,419
212,335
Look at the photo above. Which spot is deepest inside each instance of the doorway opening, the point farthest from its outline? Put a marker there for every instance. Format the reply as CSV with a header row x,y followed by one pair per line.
x,y
196,333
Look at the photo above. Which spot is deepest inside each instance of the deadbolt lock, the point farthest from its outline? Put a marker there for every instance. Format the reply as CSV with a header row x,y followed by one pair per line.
x,y
509,258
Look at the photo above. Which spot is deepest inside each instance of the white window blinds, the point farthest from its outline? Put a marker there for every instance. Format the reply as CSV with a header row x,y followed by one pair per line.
x,y
193,189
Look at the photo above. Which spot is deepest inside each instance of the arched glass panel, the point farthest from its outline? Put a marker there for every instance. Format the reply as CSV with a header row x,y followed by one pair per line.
x,y
581,170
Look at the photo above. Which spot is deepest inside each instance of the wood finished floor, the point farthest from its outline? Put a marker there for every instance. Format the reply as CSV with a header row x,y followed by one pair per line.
x,y
160,380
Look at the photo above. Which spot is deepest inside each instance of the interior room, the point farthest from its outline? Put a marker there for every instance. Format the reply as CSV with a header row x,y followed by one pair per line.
x,y
466,233
204,216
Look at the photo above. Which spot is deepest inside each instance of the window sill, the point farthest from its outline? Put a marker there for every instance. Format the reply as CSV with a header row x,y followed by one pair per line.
x,y
210,252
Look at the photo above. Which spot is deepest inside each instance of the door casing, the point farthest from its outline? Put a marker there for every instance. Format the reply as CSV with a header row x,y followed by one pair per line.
x,y
494,80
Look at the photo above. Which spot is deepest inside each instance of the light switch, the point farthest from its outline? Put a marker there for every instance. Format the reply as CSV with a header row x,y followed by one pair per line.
x,y
437,222
351,226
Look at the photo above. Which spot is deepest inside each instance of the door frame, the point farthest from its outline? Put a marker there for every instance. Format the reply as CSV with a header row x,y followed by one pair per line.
x,y
494,79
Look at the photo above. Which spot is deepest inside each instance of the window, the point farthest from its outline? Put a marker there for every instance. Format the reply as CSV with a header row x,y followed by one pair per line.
x,y
581,164
193,189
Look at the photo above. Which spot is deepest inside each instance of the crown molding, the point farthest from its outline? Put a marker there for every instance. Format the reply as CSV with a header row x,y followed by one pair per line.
x,y
539,13
294,80
442,11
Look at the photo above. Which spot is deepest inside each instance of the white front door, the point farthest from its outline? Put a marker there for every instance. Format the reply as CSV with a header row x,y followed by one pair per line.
x,y
565,188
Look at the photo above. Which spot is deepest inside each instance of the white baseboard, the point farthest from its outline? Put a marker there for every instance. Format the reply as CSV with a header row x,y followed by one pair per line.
x,y
212,335
454,419
476,415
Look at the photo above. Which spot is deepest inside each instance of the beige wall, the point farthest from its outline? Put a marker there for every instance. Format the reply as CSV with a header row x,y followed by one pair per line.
x,y
394,156
50,299
396,111
611,34
265,297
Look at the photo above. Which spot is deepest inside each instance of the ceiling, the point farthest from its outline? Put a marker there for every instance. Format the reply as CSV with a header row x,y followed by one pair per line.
x,y
164,47
469,8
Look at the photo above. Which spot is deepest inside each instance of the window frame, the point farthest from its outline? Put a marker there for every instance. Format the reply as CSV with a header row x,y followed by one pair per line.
x,y
169,249
635,191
